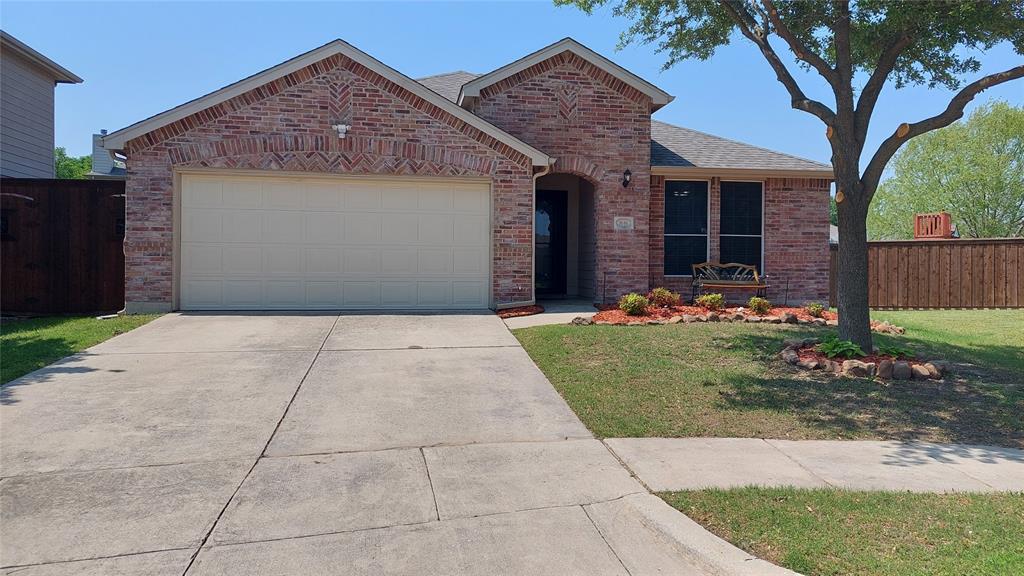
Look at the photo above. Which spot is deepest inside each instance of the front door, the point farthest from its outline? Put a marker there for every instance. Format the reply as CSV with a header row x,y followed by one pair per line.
x,y
549,235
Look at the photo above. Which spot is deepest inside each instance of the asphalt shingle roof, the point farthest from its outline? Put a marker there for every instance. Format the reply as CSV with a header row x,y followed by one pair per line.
x,y
677,146
449,84
673,145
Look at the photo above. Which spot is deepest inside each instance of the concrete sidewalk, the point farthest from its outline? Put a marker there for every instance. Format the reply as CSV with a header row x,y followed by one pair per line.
x,y
666,464
555,312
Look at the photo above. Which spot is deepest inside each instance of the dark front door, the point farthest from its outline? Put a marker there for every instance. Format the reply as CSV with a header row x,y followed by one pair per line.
x,y
549,224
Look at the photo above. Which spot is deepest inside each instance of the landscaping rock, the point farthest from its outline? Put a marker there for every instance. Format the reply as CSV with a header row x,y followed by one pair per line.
x,y
656,322
818,322
901,371
688,318
753,319
858,369
581,321
885,369
702,318
920,372
736,317
793,342
788,318
835,367
772,319
811,341
675,320
933,371
790,356
943,366
810,364
713,317
801,321
830,322
886,328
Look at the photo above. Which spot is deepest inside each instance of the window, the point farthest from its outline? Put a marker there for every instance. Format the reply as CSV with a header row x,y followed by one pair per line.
x,y
740,235
686,226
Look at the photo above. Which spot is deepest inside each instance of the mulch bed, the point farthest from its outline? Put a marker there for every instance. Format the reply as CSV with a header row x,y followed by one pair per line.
x,y
520,311
611,313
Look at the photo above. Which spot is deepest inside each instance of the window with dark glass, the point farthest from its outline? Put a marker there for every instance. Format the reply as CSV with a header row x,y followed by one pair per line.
x,y
686,226
741,225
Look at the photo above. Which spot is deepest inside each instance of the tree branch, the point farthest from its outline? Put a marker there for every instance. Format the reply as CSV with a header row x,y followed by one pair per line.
x,y
873,87
953,112
799,48
749,27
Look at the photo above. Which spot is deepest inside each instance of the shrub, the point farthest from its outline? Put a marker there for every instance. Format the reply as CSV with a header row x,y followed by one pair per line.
x,y
759,305
833,346
815,309
894,350
634,304
711,301
663,298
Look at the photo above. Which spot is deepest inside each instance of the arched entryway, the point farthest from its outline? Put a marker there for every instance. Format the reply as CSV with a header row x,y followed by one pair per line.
x,y
565,248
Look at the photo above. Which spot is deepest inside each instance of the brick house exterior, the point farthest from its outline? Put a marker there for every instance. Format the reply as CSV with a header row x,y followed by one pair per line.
x,y
563,110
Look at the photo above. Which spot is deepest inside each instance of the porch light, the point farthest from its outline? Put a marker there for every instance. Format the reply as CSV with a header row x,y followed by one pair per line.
x,y
626,177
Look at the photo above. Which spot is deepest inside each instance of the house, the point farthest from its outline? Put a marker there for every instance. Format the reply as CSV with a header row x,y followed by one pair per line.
x,y
106,165
334,181
27,81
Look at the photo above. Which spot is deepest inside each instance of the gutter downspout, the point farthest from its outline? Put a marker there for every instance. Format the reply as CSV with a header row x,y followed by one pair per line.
x,y
533,244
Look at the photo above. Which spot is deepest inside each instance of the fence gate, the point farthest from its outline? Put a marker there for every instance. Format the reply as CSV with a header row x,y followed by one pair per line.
x,y
61,246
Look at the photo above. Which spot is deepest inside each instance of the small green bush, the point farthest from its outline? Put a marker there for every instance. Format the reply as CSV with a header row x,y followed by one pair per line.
x,y
634,304
815,309
711,301
833,346
894,350
759,305
663,298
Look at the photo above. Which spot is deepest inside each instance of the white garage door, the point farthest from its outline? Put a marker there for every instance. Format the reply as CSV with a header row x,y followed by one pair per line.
x,y
276,243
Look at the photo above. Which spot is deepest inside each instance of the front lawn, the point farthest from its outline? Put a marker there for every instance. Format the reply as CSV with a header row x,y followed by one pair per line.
x,y
837,532
30,344
725,380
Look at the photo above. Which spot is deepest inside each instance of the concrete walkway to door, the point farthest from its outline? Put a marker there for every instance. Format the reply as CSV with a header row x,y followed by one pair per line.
x,y
311,443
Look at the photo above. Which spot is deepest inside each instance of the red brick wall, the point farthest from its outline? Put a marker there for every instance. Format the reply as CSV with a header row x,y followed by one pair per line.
x,y
597,127
285,125
795,239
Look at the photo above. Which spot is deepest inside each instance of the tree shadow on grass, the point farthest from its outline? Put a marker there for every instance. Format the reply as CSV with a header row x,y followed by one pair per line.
x,y
31,360
976,405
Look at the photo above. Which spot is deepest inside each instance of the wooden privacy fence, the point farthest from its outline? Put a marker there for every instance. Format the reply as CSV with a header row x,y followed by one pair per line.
x,y
957,273
61,246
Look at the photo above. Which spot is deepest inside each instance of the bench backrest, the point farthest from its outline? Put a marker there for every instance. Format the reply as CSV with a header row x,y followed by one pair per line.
x,y
728,272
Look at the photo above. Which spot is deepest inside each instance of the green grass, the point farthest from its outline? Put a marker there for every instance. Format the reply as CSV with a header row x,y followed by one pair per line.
x,y
836,532
30,344
725,380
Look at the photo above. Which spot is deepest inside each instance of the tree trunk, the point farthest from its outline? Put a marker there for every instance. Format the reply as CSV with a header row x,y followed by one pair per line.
x,y
852,299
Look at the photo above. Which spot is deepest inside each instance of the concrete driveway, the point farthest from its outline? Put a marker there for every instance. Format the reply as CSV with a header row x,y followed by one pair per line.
x,y
313,444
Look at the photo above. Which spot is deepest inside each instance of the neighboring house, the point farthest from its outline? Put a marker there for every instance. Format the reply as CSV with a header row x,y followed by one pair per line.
x,y
27,81
106,165
334,181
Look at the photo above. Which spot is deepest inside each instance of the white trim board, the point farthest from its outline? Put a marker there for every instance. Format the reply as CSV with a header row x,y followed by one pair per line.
x,y
472,88
117,140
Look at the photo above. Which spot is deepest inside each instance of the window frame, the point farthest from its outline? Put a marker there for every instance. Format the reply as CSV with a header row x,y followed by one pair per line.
x,y
761,268
665,234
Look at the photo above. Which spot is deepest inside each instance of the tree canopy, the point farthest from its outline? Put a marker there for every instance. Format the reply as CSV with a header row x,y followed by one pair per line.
x,y
856,48
973,169
70,167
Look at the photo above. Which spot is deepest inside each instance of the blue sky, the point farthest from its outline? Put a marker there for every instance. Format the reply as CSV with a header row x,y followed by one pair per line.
x,y
139,59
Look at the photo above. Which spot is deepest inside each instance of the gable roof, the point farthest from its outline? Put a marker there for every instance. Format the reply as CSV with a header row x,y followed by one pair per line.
x,y
473,87
683,148
117,140
448,84
59,73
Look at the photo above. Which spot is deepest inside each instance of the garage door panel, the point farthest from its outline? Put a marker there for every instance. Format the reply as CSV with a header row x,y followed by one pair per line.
x,y
240,226
317,243
242,260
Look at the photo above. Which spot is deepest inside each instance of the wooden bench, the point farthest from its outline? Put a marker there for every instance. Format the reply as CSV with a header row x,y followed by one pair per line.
x,y
716,276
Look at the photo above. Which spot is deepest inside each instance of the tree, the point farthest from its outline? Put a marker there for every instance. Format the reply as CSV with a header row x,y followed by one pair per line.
x,y
856,48
70,167
973,169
